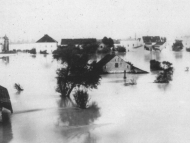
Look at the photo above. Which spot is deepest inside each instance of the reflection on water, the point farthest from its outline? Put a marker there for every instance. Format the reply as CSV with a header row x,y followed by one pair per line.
x,y
79,117
33,55
75,122
6,134
163,86
147,57
178,55
45,55
156,55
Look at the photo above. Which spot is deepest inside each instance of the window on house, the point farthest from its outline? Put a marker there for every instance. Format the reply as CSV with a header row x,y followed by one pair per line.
x,y
116,65
133,45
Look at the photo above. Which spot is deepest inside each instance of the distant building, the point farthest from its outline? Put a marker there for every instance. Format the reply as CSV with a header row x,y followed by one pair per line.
x,y
46,43
65,42
131,43
5,44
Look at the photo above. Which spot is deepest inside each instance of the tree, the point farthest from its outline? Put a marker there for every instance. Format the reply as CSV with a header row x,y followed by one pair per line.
x,y
155,65
121,49
105,40
108,42
76,71
166,75
90,48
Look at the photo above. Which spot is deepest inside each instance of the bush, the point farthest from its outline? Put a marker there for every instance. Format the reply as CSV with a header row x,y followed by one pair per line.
x,y
121,49
155,65
90,48
43,52
165,76
81,98
32,51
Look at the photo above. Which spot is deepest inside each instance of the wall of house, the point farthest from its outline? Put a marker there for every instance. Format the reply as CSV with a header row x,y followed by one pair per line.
x,y
130,44
117,65
38,46
50,47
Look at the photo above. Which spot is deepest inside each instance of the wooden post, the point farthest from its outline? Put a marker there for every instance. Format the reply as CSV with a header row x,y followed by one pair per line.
x,y
1,118
124,74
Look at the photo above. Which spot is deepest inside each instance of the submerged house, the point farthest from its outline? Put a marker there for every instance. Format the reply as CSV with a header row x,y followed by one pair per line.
x,y
46,43
115,64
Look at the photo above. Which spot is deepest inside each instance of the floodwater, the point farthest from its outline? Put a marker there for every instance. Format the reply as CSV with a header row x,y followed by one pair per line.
x,y
144,113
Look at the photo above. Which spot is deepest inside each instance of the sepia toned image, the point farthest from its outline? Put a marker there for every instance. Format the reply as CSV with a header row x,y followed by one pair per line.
x,y
94,71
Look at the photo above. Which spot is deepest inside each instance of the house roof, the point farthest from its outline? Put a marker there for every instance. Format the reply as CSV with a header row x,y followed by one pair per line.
x,y
105,60
77,41
46,38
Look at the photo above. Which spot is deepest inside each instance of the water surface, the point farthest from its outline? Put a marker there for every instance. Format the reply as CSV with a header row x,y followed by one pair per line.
x,y
146,112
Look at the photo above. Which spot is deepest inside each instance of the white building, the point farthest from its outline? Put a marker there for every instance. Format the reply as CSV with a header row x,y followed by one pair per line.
x,y
45,43
129,44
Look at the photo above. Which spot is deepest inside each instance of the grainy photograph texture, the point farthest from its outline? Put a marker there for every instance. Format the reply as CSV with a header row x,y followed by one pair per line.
x,y
94,71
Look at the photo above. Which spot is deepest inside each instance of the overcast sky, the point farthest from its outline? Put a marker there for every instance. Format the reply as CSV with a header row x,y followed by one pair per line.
x,y
31,19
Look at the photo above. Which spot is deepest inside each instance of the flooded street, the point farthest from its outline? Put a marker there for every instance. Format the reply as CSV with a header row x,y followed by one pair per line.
x,y
144,113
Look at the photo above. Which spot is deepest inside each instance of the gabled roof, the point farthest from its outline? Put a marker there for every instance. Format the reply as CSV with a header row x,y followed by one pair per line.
x,y
46,38
105,60
78,41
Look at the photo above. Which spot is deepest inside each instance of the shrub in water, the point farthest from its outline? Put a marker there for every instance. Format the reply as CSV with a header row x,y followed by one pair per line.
x,y
32,51
121,49
81,98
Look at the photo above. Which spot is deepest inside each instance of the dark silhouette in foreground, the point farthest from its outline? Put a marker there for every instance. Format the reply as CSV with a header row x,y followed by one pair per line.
x,y
6,134
5,101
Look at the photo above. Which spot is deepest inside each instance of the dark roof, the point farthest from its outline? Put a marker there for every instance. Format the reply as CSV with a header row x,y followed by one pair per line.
x,y
138,71
147,39
46,38
78,41
105,60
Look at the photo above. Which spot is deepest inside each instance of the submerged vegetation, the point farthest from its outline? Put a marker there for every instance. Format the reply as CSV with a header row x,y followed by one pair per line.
x,y
165,76
121,49
32,51
43,52
81,98
155,65
18,87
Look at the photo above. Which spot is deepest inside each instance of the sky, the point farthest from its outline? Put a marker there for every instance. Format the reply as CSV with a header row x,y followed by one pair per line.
x,y
118,19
